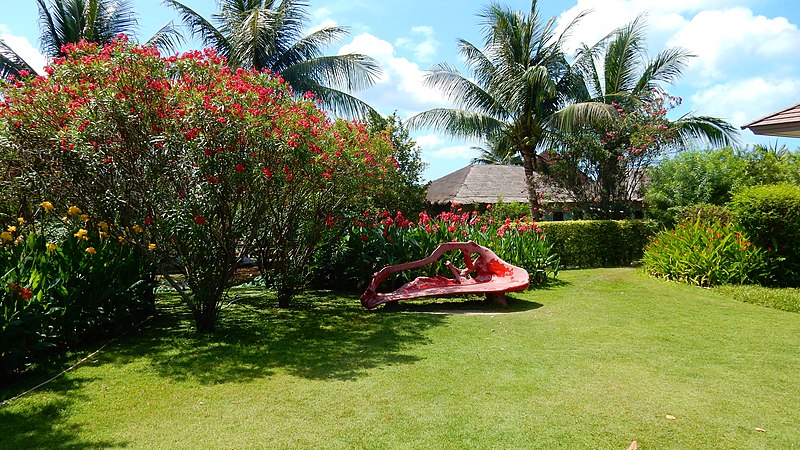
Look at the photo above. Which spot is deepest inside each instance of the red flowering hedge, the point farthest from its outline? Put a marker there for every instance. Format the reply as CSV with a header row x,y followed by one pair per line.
x,y
212,163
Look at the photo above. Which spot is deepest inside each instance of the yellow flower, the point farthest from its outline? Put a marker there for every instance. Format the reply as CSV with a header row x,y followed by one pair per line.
x,y
12,228
103,234
5,236
85,217
137,229
81,234
103,225
47,206
152,247
73,210
51,247
91,250
21,220
121,239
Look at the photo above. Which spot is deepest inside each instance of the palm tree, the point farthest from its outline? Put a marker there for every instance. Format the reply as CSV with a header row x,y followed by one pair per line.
x,y
98,21
619,77
268,34
11,63
521,79
617,70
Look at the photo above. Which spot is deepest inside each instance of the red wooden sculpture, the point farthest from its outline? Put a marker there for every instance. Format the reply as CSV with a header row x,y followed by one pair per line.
x,y
492,276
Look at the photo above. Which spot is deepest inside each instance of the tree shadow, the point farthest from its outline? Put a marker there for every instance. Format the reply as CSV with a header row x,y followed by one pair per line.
x,y
322,336
41,425
463,305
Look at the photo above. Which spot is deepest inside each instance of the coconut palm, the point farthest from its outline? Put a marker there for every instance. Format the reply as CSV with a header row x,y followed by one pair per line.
x,y
269,34
617,70
520,79
11,63
100,21
619,77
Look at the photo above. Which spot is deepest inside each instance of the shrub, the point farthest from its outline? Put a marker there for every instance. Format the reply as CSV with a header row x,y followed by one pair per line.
x,y
212,164
706,254
371,243
704,212
771,216
598,243
66,281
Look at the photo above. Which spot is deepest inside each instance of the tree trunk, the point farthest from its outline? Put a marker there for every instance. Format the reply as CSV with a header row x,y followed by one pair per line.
x,y
533,195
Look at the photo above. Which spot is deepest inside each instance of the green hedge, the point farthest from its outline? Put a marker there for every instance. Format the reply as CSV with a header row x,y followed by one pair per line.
x,y
771,216
598,243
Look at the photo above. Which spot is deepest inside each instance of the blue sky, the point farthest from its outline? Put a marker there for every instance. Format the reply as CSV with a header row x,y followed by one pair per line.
x,y
746,64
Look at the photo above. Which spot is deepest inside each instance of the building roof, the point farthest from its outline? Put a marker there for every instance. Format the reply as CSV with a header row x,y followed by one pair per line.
x,y
784,123
489,183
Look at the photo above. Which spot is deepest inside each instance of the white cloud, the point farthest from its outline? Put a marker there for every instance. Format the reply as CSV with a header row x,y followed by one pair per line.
x,y
24,49
402,85
429,141
743,101
462,152
723,38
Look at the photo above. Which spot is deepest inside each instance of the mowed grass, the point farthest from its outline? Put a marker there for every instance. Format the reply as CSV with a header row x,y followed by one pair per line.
x,y
600,359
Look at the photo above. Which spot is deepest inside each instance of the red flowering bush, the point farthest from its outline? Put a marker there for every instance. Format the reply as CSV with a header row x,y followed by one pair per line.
x,y
212,164
372,241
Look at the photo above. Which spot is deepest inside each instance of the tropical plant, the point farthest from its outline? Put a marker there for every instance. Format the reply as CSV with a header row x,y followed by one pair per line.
x,y
11,63
268,34
519,80
100,21
210,164
620,129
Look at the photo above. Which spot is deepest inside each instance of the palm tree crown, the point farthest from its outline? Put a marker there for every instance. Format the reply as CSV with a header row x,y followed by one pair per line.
x,y
269,34
519,80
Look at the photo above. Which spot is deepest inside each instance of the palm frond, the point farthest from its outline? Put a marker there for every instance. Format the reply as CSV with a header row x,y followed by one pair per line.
x,y
350,72
705,129
336,101
11,63
667,67
200,28
167,39
458,123
462,91
577,115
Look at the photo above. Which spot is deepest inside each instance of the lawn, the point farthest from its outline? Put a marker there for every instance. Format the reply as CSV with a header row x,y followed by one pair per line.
x,y
600,359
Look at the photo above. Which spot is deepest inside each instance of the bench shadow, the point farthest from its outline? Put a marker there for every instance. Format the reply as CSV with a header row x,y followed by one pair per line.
x,y
321,336
41,425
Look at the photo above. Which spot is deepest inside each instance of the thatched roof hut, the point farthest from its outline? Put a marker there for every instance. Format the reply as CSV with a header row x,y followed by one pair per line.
x,y
490,183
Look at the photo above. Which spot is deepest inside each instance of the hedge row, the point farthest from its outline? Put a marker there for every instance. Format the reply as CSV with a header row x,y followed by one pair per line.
x,y
598,243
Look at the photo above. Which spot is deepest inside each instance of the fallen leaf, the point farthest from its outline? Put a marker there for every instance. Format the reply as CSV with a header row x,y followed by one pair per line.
x,y
671,417
761,430
634,446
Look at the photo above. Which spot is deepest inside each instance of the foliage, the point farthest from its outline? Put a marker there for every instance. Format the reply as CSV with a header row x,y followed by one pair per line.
x,y
372,242
691,177
784,299
409,192
598,243
706,254
65,281
266,34
704,212
501,210
771,216
610,138
212,164
519,80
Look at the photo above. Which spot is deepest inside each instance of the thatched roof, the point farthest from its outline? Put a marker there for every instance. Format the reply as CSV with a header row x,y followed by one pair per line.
x,y
489,183
784,123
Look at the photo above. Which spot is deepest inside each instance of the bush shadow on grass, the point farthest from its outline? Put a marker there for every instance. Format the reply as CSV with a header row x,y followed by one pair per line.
x,y
41,426
462,305
321,336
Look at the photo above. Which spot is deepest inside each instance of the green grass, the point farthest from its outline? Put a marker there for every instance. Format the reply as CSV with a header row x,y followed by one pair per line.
x,y
785,299
597,360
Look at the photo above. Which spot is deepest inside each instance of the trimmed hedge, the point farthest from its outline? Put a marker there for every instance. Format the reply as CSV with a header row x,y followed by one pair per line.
x,y
598,243
771,216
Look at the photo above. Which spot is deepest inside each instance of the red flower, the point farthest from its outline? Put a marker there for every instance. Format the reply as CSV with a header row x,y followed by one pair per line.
x,y
200,220
267,172
25,293
364,238
240,167
212,179
148,221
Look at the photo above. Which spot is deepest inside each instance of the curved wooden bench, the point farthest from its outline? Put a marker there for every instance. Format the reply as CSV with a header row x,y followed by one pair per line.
x,y
492,276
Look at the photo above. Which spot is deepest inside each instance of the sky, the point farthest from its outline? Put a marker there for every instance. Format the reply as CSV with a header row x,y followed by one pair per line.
x,y
746,63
